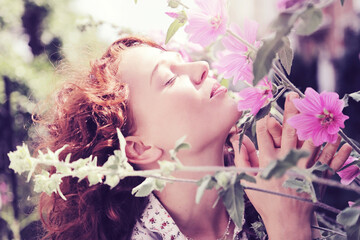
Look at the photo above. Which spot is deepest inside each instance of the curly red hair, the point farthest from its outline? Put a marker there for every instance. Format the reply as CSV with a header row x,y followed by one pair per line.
x,y
85,117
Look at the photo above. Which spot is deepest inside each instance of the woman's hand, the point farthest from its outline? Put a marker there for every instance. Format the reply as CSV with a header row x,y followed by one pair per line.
x,y
284,218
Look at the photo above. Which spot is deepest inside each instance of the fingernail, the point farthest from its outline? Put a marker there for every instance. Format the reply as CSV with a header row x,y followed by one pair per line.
x,y
293,95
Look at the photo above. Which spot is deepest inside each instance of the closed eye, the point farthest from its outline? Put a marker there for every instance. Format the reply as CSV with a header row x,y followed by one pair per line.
x,y
171,81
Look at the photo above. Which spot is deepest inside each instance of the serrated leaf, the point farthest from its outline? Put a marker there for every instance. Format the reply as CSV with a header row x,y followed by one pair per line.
x,y
279,167
204,183
355,96
174,26
286,55
310,21
264,58
233,199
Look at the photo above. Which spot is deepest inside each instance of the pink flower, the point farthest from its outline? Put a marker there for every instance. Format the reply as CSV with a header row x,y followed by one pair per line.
x,y
254,98
320,116
207,22
172,14
350,173
286,4
234,65
235,60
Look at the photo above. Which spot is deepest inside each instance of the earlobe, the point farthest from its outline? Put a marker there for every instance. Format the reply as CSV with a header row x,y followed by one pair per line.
x,y
139,153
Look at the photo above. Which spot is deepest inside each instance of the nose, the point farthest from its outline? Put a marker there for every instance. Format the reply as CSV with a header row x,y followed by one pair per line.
x,y
197,71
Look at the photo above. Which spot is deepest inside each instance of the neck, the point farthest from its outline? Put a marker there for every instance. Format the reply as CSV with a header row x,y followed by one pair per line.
x,y
196,221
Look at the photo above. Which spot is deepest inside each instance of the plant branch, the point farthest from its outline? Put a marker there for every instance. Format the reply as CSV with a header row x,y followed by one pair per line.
x,y
315,204
329,230
240,39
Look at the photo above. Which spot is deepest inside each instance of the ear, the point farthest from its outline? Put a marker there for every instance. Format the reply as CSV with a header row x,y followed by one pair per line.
x,y
138,153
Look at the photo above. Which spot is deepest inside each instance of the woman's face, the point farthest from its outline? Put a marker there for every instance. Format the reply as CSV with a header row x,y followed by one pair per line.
x,y
170,98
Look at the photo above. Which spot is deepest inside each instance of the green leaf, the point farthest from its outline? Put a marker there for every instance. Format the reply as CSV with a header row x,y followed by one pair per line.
x,y
147,186
264,111
320,167
204,183
355,96
310,21
346,100
233,199
286,55
246,177
349,218
173,3
180,144
342,2
279,167
300,185
174,26
223,179
259,229
265,56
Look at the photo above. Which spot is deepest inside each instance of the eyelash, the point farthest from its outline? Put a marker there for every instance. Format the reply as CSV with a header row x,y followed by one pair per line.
x,y
171,80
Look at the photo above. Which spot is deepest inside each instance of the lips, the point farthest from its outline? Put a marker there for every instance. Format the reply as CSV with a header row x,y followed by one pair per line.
x,y
217,89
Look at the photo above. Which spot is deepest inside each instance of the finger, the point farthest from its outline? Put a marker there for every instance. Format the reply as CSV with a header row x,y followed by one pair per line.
x,y
251,150
340,157
313,151
329,151
289,136
265,142
275,130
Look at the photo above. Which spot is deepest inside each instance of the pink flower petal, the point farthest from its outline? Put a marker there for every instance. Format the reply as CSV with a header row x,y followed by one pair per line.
x,y
350,173
206,22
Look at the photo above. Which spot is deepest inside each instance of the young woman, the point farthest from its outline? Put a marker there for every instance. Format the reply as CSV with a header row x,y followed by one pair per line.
x,y
155,97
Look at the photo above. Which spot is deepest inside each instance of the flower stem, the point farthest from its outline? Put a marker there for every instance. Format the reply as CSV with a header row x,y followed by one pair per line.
x,y
329,230
249,45
315,204
183,5
349,141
